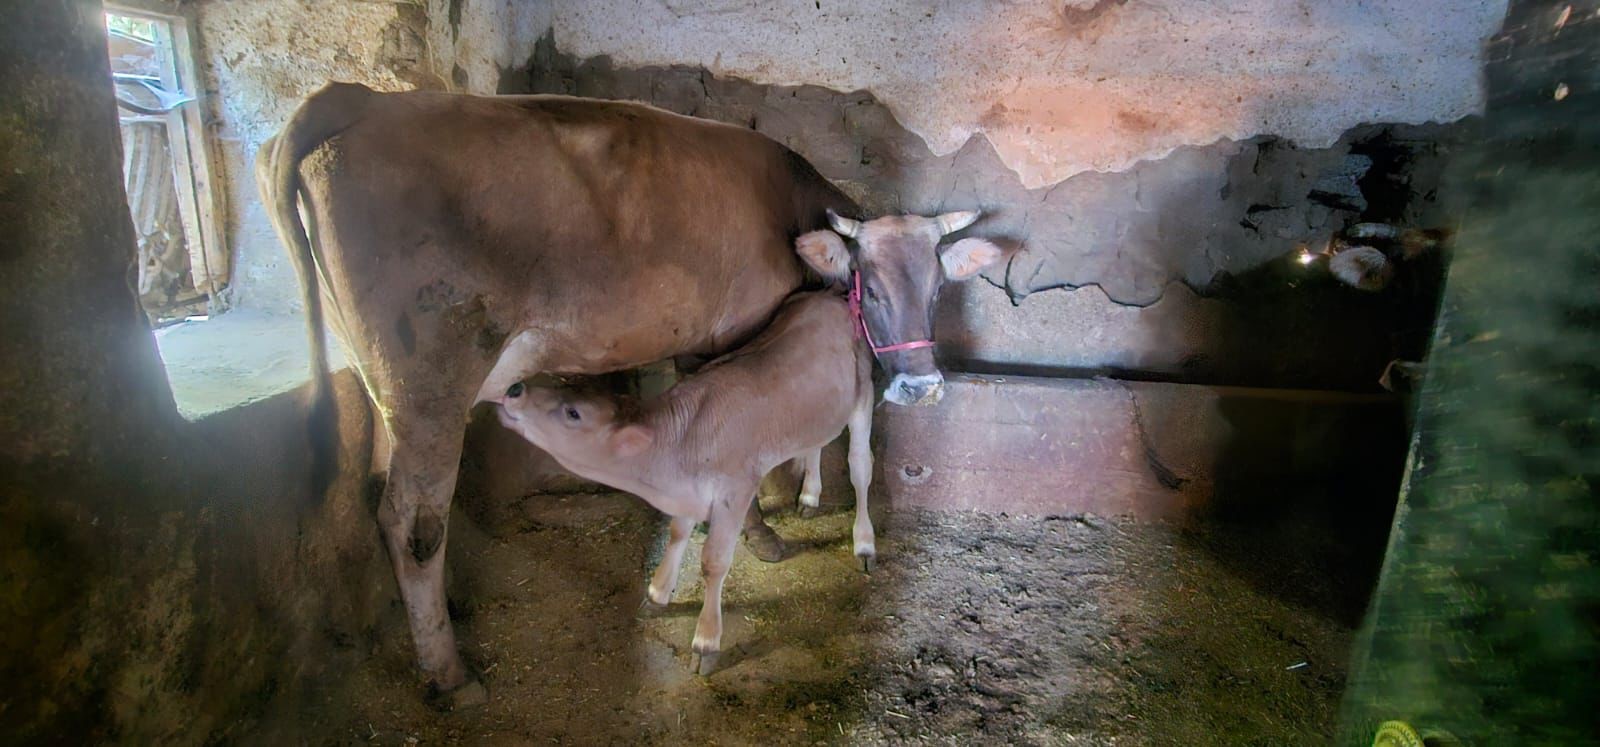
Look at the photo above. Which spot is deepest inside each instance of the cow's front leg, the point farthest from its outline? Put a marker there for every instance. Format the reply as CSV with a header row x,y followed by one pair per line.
x,y
665,579
715,560
763,543
866,546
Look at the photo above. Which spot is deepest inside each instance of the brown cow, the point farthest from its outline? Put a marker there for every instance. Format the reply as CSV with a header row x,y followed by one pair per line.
x,y
467,243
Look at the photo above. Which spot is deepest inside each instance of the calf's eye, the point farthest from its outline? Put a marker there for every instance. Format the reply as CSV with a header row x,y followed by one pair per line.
x,y
514,391
572,414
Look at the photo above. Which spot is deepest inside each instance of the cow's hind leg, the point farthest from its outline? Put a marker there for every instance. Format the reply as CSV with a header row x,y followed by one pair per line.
x,y
414,516
716,557
861,479
762,541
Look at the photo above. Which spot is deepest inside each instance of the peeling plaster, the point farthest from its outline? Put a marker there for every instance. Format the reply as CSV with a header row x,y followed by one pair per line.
x,y
1089,85
1158,246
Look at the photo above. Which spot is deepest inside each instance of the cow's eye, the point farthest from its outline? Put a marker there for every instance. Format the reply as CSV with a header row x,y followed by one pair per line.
x,y
572,414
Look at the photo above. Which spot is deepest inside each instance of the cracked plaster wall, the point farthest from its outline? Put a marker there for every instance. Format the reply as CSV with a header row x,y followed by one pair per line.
x,y
1181,260
1150,153
1163,156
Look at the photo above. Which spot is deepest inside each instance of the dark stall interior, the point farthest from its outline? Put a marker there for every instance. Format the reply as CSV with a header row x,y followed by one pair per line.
x,y
1275,425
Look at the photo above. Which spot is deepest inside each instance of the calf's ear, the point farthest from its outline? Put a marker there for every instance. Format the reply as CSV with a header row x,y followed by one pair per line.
x,y
825,252
632,440
969,257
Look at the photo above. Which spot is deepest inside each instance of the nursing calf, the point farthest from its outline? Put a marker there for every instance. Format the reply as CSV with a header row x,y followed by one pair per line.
x,y
698,452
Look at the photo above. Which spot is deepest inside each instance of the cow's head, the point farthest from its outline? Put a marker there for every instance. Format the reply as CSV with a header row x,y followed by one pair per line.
x,y
902,268
581,424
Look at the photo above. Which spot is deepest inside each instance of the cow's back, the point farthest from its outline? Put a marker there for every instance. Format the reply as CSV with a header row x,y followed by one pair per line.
x,y
614,233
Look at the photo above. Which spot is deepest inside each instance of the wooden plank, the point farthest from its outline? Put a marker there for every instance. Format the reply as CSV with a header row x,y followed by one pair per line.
x,y
1484,624
214,259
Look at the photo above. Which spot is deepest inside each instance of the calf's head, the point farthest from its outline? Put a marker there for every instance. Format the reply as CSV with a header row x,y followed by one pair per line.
x,y
901,267
575,423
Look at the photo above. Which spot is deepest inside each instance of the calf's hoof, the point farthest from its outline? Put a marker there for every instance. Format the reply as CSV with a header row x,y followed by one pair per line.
x,y
867,562
704,663
468,695
764,543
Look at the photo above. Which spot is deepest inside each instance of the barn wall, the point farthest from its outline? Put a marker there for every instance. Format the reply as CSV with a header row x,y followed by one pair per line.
x,y
160,581
1154,164
259,59
1154,167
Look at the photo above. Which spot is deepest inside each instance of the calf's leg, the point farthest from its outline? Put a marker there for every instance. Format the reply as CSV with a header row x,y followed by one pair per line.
x,y
716,557
665,579
861,480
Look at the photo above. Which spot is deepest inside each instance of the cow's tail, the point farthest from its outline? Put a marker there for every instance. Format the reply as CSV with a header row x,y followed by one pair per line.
x,y
323,114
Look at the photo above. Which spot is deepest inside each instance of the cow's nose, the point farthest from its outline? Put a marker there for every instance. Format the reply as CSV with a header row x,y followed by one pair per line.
x,y
926,389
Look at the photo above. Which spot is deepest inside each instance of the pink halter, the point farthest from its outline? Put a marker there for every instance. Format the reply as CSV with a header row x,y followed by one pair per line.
x,y
861,322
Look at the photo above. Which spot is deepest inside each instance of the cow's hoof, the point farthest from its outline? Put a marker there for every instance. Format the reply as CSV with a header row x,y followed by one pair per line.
x,y
810,512
866,564
466,696
649,608
705,663
764,543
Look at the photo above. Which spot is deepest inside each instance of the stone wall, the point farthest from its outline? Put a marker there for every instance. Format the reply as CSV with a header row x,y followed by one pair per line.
x,y
259,59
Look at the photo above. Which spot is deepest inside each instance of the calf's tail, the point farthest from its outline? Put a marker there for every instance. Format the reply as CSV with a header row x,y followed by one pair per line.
x,y
321,116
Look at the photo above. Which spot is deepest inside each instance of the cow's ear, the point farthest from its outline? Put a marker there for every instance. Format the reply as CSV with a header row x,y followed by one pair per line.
x,y
969,257
632,440
825,252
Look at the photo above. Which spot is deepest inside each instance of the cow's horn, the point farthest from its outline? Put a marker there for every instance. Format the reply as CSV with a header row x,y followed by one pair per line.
x,y
842,225
951,222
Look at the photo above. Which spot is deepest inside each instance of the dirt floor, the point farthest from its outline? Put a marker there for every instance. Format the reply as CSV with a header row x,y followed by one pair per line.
x,y
972,628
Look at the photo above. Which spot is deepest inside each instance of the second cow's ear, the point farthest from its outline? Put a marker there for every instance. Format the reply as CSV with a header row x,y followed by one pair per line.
x,y
824,252
632,440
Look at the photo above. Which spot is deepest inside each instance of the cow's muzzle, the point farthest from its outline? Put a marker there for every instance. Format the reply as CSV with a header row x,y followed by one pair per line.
x,y
926,389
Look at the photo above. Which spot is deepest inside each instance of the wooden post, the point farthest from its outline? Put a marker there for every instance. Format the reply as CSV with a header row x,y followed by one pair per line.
x,y
1484,626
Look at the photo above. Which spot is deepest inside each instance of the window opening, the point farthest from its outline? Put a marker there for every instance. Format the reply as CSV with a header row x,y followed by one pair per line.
x,y
182,263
